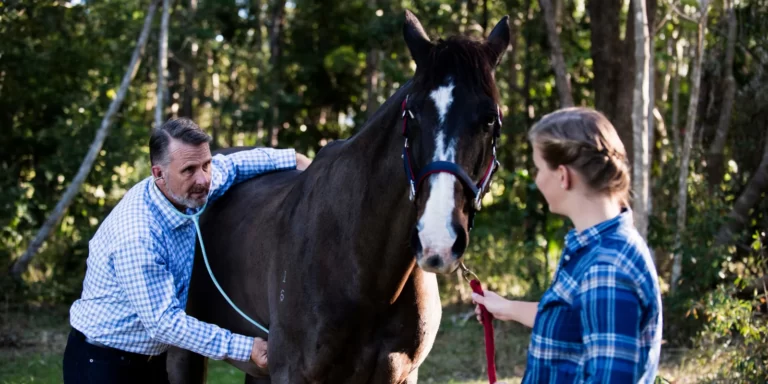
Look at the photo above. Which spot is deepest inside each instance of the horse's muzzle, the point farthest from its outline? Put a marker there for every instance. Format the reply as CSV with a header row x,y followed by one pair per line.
x,y
440,256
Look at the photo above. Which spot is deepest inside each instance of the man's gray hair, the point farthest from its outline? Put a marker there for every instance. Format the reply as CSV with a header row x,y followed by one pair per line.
x,y
183,129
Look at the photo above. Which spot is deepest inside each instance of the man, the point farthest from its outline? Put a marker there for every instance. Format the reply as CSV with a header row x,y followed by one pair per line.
x,y
140,262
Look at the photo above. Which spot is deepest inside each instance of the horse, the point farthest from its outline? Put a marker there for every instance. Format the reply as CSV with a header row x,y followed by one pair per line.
x,y
340,260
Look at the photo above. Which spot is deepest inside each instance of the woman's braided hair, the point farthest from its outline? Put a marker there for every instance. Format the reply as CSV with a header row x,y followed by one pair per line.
x,y
584,139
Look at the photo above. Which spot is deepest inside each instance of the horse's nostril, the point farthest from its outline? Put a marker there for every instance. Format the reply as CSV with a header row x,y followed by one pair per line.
x,y
434,261
460,245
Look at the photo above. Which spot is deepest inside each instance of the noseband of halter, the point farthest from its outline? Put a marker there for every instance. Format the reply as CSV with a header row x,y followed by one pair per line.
x,y
474,190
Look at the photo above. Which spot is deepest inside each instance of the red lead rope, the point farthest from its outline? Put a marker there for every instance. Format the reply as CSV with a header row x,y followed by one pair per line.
x,y
487,319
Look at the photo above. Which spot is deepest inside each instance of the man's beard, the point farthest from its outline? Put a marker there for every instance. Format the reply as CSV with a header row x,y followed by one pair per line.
x,y
190,202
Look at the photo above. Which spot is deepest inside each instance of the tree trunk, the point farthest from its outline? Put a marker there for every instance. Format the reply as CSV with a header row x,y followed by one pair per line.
x,y
162,65
372,81
665,85
275,35
509,162
173,89
739,215
74,187
690,128
216,95
640,120
256,45
372,73
715,164
255,12
666,89
614,64
532,216
651,136
562,82
232,99
276,30
189,69
674,124
514,86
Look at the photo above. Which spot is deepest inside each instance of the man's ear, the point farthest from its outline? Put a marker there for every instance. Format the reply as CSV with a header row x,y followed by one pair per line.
x,y
157,172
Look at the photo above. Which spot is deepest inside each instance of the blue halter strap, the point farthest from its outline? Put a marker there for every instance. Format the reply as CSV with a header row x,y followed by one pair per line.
x,y
475,190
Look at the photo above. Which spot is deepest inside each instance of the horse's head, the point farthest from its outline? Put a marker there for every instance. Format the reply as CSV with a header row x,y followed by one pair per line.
x,y
451,122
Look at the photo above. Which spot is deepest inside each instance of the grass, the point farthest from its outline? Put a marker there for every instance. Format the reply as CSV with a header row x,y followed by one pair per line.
x,y
32,343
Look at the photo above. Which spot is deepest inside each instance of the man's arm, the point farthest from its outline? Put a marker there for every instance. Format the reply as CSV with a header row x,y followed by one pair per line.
x,y
240,166
610,315
148,285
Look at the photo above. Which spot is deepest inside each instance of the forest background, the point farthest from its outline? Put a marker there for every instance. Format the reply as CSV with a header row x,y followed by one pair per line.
x,y
683,81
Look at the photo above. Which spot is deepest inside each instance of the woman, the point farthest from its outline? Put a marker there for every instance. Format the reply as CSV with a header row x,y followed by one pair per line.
x,y
600,320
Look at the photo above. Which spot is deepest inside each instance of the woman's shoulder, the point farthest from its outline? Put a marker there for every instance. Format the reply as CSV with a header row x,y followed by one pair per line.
x,y
625,256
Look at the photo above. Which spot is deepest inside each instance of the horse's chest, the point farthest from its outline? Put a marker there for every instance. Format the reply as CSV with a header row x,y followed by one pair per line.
x,y
404,337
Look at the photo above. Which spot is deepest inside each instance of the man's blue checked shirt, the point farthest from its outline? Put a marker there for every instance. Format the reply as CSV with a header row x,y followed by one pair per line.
x,y
601,319
140,263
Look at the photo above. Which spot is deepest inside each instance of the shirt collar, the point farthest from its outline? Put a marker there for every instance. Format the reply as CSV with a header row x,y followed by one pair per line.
x,y
168,213
575,240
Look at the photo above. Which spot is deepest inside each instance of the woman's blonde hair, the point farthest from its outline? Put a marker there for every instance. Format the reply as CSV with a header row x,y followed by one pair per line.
x,y
584,140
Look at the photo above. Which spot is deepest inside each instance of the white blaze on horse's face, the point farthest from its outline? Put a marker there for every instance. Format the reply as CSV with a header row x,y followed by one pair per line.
x,y
436,231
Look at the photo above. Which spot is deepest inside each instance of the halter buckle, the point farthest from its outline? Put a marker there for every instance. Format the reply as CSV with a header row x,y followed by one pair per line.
x,y
413,191
466,273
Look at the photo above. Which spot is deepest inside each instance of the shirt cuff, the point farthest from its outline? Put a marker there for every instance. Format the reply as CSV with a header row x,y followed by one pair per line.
x,y
241,347
285,159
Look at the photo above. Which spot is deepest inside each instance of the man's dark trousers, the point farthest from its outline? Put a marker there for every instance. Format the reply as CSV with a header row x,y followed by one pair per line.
x,y
86,363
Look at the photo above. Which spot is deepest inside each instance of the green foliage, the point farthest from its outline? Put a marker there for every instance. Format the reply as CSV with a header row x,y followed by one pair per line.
x,y
735,333
60,66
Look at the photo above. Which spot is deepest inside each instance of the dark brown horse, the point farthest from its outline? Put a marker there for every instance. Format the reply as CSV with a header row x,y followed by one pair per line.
x,y
338,261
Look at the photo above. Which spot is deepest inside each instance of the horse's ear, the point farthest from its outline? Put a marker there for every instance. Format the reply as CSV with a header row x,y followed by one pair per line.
x,y
415,38
498,40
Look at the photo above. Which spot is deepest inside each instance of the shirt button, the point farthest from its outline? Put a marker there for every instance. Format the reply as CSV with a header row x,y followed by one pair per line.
x,y
91,360
567,258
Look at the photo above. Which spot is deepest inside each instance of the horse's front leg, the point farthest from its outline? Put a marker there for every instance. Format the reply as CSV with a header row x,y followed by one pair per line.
x,y
185,367
257,380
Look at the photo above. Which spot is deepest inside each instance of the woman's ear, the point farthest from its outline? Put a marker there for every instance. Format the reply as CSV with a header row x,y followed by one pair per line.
x,y
565,177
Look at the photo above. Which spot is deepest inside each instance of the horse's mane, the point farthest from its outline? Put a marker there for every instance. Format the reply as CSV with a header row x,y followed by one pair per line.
x,y
390,106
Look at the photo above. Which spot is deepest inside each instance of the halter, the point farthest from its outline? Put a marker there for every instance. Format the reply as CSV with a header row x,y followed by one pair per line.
x,y
475,190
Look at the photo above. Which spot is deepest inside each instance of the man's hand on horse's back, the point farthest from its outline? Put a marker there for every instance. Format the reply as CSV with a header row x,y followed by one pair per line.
x,y
302,162
259,352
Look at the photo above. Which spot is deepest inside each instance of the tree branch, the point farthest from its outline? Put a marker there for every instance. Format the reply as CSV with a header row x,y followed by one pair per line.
x,y
162,65
74,187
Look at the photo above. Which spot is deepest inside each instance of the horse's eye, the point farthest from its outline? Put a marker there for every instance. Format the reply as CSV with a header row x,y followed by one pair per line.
x,y
490,121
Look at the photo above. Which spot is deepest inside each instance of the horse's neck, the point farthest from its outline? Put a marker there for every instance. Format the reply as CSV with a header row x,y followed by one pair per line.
x,y
386,215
